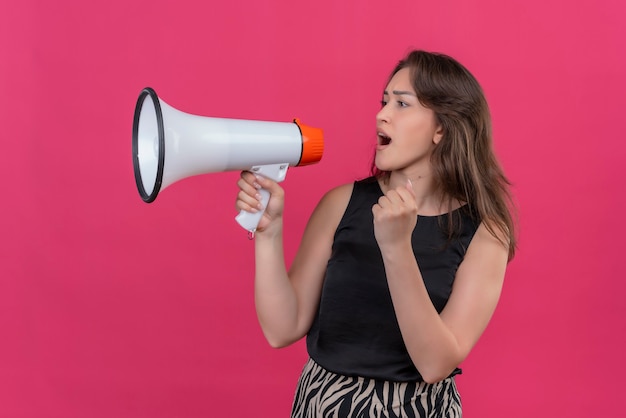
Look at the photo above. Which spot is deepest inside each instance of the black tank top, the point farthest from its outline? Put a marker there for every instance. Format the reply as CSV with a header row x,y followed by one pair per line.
x,y
355,331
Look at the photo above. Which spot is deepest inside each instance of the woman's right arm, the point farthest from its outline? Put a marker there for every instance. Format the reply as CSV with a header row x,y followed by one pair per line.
x,y
286,301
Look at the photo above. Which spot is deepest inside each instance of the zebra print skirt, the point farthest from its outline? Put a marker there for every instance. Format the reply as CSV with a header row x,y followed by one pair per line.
x,y
321,393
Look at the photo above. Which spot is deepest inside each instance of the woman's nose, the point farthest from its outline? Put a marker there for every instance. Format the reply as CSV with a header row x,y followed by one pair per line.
x,y
382,115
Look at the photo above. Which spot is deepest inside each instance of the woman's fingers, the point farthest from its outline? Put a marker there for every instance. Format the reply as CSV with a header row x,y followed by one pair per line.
x,y
248,198
248,203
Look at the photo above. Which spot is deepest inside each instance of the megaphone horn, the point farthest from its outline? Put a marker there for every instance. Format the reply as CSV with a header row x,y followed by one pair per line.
x,y
170,145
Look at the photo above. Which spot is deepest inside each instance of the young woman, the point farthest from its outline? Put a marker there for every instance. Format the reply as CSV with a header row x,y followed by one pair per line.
x,y
397,275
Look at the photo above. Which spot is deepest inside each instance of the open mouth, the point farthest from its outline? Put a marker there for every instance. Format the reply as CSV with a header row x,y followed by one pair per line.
x,y
383,139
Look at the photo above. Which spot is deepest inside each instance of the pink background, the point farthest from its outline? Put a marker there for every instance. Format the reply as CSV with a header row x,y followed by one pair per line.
x,y
113,308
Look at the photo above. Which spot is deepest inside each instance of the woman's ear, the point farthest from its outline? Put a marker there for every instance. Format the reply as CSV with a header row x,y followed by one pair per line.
x,y
438,135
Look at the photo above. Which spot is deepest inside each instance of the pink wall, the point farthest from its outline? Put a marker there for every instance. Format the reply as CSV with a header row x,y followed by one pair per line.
x,y
113,308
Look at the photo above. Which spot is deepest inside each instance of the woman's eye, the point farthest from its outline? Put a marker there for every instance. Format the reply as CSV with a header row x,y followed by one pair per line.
x,y
383,103
402,104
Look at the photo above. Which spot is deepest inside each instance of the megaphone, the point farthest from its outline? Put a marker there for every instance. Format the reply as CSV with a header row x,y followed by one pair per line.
x,y
170,145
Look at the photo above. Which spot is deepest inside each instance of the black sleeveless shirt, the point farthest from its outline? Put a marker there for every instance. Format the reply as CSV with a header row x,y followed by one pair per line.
x,y
355,331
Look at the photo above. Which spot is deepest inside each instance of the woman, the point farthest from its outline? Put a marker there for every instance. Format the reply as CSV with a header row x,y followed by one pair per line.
x,y
397,275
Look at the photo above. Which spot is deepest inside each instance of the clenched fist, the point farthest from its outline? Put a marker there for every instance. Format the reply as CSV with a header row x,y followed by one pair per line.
x,y
395,216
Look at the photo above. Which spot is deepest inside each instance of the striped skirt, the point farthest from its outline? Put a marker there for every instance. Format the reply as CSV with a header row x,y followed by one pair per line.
x,y
321,393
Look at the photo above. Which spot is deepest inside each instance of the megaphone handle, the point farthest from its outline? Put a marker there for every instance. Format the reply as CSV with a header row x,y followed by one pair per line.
x,y
249,220
277,172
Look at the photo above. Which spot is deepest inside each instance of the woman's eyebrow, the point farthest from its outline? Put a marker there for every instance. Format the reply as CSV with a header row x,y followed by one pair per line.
x,y
400,93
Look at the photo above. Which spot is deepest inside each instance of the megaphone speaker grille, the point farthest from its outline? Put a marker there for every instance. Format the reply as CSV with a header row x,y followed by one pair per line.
x,y
148,145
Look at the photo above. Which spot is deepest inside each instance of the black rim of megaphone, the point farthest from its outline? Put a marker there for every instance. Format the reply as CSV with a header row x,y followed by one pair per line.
x,y
161,131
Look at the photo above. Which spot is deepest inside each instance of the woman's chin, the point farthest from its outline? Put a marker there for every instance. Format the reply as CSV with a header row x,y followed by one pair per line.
x,y
381,164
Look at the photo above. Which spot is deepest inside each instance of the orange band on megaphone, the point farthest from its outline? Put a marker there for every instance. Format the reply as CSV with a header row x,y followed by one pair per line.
x,y
312,144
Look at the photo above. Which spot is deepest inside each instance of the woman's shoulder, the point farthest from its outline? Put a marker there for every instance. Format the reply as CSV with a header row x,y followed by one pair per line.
x,y
329,211
344,191
338,195
335,201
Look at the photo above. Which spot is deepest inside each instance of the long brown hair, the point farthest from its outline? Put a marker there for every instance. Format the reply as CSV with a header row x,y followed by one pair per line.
x,y
464,164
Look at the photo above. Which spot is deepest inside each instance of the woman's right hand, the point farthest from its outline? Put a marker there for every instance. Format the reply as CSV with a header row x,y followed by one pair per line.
x,y
249,200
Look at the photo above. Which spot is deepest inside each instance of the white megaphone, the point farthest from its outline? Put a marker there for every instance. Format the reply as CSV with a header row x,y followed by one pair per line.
x,y
169,145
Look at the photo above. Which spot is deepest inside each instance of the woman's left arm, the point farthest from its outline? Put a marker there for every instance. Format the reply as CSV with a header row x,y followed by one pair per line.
x,y
438,343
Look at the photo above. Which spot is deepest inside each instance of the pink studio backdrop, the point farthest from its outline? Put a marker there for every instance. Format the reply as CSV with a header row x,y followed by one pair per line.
x,y
113,308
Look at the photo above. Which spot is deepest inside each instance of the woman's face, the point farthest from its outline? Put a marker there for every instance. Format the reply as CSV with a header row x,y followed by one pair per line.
x,y
407,131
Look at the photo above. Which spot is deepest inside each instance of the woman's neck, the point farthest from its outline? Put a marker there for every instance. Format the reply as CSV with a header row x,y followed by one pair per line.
x,y
429,200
